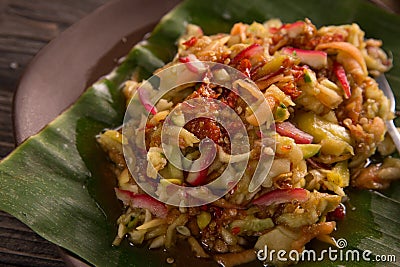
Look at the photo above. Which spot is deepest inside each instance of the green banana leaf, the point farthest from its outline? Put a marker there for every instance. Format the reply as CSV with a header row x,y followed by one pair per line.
x,y
58,182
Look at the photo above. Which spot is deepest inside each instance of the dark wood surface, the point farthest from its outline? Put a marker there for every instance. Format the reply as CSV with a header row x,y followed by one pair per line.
x,y
25,27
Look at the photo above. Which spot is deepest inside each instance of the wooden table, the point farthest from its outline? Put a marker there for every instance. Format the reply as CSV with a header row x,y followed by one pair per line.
x,y
25,27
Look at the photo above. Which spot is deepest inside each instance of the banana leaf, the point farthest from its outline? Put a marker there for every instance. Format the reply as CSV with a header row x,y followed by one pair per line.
x,y
59,184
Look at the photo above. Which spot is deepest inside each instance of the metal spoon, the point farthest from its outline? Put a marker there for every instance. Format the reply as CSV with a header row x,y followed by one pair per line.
x,y
392,130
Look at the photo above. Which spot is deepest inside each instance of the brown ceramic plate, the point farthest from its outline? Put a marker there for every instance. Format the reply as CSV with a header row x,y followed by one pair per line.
x,y
69,64
61,71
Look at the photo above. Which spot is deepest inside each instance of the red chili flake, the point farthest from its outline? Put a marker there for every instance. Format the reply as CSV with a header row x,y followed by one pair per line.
x,y
184,60
223,58
245,67
229,98
204,208
235,230
204,127
216,212
191,42
274,29
338,214
297,72
203,91
297,75
291,90
287,63
286,147
233,190
313,42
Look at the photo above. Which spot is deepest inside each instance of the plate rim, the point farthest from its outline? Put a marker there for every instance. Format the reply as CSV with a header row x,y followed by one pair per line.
x,y
43,69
